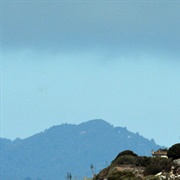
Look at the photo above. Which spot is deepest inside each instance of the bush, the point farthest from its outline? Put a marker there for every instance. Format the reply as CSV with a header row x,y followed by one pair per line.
x,y
143,161
125,157
152,170
174,151
103,173
118,175
157,165
127,152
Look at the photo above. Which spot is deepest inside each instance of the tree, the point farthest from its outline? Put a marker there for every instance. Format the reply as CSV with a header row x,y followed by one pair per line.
x,y
174,151
69,176
92,170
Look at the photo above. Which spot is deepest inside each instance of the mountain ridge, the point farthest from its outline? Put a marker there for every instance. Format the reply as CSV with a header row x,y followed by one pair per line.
x,y
69,148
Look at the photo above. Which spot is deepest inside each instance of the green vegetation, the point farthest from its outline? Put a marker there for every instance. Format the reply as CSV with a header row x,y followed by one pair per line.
x,y
126,159
115,174
174,151
127,152
152,170
130,166
152,165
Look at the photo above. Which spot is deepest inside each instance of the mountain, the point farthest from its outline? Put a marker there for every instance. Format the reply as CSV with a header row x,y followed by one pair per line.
x,y
49,155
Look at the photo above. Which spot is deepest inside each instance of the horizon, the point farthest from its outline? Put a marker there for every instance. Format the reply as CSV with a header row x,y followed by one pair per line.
x,y
74,61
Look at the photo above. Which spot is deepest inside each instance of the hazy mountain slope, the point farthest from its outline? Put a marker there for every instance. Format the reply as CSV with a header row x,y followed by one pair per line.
x,y
68,148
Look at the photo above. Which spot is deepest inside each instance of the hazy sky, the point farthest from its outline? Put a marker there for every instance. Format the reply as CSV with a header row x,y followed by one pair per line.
x,y
72,61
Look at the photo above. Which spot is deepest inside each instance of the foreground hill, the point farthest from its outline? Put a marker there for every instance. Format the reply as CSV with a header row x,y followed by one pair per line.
x,y
68,148
129,166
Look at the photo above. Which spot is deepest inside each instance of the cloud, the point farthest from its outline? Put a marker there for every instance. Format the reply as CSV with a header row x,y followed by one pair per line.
x,y
78,25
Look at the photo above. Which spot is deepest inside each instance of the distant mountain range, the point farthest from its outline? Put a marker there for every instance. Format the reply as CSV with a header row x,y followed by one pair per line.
x,y
51,154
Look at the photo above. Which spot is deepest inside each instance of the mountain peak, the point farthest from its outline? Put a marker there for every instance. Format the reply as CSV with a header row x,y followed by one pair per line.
x,y
96,122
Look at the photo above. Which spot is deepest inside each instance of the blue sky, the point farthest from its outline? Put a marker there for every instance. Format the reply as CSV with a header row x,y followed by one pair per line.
x,y
79,60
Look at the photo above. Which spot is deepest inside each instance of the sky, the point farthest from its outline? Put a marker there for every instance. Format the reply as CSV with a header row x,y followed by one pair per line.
x,y
73,61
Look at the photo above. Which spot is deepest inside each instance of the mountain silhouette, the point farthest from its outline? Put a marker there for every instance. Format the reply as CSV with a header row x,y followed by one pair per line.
x,y
49,155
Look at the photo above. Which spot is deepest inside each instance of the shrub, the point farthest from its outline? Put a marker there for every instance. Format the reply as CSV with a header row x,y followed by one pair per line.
x,y
103,173
118,175
125,157
152,170
143,161
127,152
174,151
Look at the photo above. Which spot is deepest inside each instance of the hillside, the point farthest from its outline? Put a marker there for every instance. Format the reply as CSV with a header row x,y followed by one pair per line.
x,y
68,148
129,166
